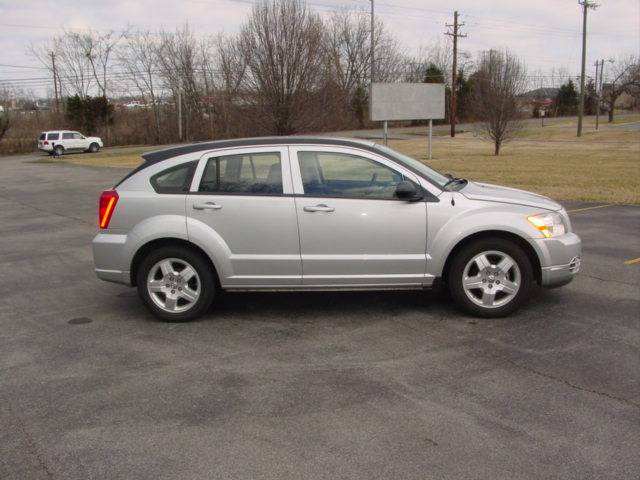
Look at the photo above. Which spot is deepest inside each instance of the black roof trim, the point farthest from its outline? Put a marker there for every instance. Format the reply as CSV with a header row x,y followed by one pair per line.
x,y
160,155
152,158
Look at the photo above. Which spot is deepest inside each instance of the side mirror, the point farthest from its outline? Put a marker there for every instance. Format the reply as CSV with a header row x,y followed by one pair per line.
x,y
407,191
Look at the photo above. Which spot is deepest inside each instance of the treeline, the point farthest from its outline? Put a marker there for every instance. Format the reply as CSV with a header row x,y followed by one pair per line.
x,y
287,71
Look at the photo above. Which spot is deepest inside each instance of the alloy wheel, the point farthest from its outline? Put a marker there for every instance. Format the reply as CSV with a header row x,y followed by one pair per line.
x,y
173,285
491,279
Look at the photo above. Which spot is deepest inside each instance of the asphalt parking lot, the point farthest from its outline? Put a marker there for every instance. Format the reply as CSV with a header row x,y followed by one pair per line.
x,y
279,386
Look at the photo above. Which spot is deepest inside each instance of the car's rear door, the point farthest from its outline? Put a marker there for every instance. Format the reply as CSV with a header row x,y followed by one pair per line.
x,y
68,142
353,230
241,203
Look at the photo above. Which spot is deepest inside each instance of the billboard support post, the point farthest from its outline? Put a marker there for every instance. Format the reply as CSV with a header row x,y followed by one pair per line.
x,y
430,137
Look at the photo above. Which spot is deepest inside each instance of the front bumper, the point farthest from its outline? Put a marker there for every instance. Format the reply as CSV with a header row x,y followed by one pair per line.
x,y
560,259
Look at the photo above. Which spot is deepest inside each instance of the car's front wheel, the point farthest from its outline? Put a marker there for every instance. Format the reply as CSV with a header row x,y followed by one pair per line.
x,y
490,277
94,147
176,283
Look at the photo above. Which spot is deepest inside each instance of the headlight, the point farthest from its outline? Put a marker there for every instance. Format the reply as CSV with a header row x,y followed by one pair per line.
x,y
549,224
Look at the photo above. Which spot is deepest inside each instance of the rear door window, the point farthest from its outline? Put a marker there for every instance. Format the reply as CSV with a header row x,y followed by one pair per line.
x,y
249,174
53,136
67,136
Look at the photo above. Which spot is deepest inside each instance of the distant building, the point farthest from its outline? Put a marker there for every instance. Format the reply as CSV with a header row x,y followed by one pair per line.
x,y
535,100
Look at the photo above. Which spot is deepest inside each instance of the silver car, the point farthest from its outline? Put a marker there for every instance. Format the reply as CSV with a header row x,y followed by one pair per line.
x,y
305,213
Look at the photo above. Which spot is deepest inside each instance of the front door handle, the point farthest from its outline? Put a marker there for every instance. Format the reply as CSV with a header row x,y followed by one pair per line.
x,y
319,208
206,206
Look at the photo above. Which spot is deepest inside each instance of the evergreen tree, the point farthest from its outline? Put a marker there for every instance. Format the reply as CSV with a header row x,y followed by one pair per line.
x,y
590,98
86,113
567,99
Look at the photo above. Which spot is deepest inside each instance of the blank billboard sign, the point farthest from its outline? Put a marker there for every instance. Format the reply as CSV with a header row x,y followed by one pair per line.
x,y
407,101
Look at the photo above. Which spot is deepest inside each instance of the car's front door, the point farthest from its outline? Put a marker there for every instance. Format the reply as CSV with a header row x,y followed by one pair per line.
x,y
81,141
353,230
241,203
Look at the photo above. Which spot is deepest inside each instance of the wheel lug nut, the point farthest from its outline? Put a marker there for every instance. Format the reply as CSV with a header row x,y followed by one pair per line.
x,y
167,285
490,285
497,282
484,280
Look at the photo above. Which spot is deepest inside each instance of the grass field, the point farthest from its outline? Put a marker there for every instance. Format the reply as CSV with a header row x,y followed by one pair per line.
x,y
602,166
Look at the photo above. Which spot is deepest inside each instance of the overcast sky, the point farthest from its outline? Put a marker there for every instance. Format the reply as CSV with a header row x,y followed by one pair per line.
x,y
545,33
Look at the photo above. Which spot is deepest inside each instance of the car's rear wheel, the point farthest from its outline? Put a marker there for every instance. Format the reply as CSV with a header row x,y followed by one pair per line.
x,y
176,283
58,150
490,277
94,147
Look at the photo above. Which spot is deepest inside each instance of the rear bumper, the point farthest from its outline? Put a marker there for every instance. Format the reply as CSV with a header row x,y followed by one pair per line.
x,y
560,259
115,276
111,258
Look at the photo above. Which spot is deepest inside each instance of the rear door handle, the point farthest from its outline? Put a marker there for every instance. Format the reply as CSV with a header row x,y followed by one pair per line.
x,y
206,206
319,208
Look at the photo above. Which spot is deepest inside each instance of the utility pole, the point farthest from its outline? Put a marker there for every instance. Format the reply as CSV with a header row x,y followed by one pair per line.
x,y
597,83
180,115
599,90
372,51
586,5
454,74
55,80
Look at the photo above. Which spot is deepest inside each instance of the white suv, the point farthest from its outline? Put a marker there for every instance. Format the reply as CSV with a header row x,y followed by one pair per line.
x,y
60,141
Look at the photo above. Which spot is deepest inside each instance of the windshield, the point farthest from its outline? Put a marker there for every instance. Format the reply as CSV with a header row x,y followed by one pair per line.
x,y
414,164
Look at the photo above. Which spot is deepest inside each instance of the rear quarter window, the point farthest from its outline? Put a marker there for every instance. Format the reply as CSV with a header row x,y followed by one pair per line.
x,y
42,136
176,179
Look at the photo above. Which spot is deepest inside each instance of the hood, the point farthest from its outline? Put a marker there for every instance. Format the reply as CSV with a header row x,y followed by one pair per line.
x,y
97,139
496,193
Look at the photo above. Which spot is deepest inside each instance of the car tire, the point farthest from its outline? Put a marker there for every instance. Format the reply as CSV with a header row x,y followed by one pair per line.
x,y
159,297
498,288
58,150
94,147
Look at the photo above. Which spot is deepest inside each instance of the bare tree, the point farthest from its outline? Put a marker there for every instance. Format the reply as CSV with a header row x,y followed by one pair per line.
x,y
138,58
348,48
440,54
348,56
232,68
5,100
499,79
624,75
206,58
177,56
98,48
282,46
73,66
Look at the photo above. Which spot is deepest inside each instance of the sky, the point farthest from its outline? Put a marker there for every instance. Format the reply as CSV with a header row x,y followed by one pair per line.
x,y
544,33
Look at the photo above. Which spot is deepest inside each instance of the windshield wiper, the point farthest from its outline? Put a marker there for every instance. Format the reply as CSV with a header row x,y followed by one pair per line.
x,y
454,182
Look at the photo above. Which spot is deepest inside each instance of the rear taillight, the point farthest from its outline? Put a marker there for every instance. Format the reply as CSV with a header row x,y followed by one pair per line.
x,y
46,143
108,201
